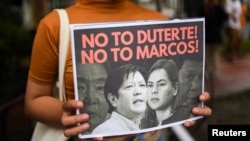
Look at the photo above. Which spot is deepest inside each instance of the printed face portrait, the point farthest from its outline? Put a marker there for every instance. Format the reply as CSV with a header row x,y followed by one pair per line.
x,y
91,79
190,75
132,97
160,90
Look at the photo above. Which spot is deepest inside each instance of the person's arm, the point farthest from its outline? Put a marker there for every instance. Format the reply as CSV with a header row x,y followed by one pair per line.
x,y
42,107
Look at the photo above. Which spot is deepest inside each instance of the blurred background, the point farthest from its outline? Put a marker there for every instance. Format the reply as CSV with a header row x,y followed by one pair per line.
x,y
229,84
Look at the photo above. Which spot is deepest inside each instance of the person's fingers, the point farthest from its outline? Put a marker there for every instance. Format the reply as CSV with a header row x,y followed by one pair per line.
x,y
74,119
189,123
98,139
72,105
73,131
204,97
70,120
68,116
205,111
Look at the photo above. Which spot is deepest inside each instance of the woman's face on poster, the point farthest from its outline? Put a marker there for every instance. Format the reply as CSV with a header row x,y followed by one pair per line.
x,y
132,95
160,90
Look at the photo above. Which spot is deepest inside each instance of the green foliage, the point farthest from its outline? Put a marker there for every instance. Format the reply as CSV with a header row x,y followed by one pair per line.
x,y
244,48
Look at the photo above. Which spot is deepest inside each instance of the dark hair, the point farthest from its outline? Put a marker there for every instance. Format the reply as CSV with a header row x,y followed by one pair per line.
x,y
169,66
116,78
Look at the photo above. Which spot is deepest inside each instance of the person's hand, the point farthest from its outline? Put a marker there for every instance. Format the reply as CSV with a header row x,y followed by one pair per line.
x,y
70,120
205,111
75,124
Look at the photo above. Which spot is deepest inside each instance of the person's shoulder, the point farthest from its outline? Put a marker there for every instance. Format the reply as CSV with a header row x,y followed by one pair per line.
x,y
50,23
51,20
52,16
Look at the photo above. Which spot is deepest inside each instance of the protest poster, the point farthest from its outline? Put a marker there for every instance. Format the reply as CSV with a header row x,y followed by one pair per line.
x,y
138,76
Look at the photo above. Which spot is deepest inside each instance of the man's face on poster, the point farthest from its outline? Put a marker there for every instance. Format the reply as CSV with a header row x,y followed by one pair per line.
x,y
132,96
190,75
91,79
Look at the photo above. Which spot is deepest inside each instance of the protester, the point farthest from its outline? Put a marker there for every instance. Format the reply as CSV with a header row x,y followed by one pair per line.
x,y
233,9
243,21
44,65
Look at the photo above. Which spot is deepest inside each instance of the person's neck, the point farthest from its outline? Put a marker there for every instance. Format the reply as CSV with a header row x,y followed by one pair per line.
x,y
164,114
136,118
